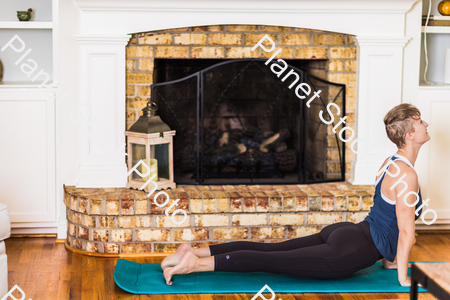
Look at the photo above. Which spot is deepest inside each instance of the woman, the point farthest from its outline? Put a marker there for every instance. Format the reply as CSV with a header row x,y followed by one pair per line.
x,y
342,248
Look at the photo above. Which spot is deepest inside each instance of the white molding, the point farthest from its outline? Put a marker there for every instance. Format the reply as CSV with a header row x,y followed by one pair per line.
x,y
102,93
28,85
436,29
250,6
436,86
119,16
379,88
94,176
25,25
121,39
382,41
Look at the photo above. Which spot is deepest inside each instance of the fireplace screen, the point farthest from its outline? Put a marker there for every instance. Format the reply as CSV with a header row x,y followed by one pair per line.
x,y
236,122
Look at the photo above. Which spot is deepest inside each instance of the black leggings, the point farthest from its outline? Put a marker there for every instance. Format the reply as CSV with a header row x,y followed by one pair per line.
x,y
337,251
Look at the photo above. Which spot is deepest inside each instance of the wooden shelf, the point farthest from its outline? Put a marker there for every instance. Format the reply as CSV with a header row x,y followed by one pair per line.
x,y
436,86
25,25
436,29
21,84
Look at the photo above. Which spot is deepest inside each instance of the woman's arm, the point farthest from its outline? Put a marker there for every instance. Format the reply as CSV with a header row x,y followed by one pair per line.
x,y
405,220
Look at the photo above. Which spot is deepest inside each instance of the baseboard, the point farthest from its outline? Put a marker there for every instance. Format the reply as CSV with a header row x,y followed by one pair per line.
x,y
442,231
433,227
34,230
62,229
33,235
114,255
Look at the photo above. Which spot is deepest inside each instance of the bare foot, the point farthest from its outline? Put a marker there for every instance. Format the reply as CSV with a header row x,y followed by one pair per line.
x,y
391,265
189,263
174,259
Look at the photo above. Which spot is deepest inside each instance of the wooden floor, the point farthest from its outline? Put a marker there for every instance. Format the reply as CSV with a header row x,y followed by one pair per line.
x,y
44,270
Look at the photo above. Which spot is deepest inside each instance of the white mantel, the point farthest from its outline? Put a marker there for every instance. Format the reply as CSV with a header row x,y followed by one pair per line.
x,y
359,17
102,30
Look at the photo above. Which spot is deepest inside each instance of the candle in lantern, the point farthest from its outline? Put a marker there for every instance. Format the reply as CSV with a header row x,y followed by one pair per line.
x,y
153,169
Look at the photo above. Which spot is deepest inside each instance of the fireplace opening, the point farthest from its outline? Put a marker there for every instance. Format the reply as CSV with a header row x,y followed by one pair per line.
x,y
236,122
172,69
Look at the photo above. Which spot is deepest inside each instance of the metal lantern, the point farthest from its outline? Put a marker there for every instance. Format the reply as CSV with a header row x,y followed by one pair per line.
x,y
150,140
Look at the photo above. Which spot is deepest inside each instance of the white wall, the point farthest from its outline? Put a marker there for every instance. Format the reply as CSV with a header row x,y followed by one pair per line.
x,y
411,62
40,43
69,112
66,106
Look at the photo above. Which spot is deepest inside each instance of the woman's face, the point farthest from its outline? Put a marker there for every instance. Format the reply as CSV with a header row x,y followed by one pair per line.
x,y
421,135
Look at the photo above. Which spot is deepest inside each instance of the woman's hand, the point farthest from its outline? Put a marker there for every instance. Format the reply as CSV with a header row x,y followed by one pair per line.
x,y
405,282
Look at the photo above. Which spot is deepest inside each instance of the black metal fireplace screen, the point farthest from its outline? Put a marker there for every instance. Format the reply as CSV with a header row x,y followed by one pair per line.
x,y
236,122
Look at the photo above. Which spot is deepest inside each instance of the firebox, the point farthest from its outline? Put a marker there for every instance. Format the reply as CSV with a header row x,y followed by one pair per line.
x,y
238,123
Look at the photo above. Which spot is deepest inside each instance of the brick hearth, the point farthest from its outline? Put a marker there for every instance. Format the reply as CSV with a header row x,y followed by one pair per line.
x,y
120,220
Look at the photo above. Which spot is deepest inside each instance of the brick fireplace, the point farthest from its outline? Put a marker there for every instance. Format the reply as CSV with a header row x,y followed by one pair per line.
x,y
114,52
327,55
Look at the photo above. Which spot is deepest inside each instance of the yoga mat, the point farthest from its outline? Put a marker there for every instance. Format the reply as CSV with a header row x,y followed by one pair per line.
x,y
139,278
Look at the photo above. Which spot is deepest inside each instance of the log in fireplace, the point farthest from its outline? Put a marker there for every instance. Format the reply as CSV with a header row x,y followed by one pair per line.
x,y
238,123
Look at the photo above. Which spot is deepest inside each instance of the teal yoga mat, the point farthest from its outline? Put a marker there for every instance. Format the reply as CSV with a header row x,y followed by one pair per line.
x,y
139,278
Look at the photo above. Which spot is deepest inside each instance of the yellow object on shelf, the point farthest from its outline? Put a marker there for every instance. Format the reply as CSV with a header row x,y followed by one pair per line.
x,y
153,169
444,8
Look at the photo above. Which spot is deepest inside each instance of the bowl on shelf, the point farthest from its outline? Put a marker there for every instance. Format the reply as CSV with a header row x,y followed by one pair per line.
x,y
24,15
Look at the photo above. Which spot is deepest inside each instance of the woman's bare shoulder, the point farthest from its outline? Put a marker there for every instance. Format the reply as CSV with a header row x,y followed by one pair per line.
x,y
382,166
393,168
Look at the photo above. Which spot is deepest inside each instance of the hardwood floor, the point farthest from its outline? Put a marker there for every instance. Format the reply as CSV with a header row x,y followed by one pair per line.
x,y
44,270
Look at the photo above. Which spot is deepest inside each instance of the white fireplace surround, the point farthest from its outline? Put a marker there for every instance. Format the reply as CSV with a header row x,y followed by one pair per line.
x,y
386,37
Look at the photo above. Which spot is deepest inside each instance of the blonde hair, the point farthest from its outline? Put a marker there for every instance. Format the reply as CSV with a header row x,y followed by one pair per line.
x,y
399,121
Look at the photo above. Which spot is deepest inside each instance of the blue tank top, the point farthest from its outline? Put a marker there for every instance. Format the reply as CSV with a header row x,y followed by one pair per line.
x,y
382,217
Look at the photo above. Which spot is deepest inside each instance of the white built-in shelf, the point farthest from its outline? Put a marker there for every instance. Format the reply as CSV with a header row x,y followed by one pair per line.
x,y
25,25
436,29
20,84
436,86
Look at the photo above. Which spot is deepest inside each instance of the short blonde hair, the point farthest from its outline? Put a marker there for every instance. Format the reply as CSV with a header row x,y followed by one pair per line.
x,y
399,121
